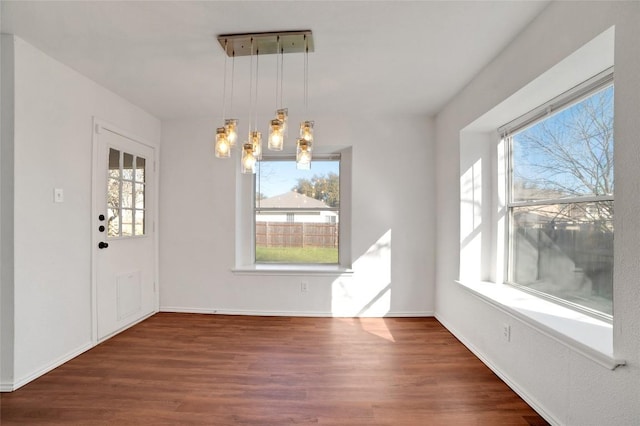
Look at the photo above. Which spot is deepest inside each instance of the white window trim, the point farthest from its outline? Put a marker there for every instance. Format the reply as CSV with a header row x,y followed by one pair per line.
x,y
572,96
292,270
245,232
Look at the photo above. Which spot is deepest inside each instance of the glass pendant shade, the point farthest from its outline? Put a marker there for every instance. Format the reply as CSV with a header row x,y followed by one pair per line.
x,y
223,147
283,115
248,159
306,131
231,128
276,136
255,138
303,155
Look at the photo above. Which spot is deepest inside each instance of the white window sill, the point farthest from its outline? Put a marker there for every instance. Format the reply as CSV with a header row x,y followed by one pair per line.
x,y
288,269
591,337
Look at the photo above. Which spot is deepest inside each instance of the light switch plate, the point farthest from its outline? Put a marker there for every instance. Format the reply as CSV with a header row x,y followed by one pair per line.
x,y
58,195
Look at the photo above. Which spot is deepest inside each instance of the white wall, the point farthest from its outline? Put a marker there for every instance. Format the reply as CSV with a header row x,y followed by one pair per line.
x,y
6,214
54,107
392,203
562,384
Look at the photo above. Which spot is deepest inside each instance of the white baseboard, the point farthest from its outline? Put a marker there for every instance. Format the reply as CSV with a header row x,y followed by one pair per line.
x,y
131,324
529,399
17,384
287,313
10,387
6,387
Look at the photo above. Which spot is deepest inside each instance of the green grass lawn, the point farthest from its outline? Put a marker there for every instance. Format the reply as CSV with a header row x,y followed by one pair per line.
x,y
296,255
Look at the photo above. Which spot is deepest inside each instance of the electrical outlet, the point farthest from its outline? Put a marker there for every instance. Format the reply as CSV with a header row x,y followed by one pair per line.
x,y
304,287
506,332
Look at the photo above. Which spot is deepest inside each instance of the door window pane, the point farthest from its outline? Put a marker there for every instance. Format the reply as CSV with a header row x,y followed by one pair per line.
x,y
114,163
127,166
127,194
139,196
140,169
113,193
139,228
113,222
125,198
127,222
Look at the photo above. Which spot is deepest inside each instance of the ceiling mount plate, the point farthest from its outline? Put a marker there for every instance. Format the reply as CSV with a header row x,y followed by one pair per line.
x,y
267,43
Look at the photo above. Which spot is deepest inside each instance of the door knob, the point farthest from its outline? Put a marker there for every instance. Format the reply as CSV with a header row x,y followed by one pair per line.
x,y
101,228
103,245
101,217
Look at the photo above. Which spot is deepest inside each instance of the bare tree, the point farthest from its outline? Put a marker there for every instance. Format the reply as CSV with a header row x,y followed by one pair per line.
x,y
569,155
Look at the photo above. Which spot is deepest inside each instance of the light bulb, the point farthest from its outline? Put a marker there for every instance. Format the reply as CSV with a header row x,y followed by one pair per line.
x,y
248,158
276,136
306,130
256,139
223,148
282,115
231,129
249,161
303,155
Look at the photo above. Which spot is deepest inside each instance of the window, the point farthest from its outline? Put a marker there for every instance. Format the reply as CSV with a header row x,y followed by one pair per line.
x,y
560,199
125,194
296,213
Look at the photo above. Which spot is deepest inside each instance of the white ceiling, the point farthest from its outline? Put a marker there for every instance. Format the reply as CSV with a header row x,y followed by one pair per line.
x,y
378,58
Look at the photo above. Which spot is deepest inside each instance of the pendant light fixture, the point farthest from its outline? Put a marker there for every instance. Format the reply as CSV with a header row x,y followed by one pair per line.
x,y
304,146
278,126
255,136
283,115
231,124
253,144
248,161
306,131
256,141
303,155
227,135
276,136
223,147
222,144
277,43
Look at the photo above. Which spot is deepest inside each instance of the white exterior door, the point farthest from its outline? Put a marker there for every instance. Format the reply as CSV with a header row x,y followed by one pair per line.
x,y
124,232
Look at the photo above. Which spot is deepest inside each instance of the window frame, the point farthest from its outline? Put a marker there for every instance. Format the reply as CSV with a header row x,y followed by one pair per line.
x,y
244,259
591,86
121,180
256,189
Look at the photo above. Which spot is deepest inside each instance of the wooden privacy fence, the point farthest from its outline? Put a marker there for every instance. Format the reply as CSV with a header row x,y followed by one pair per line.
x,y
282,234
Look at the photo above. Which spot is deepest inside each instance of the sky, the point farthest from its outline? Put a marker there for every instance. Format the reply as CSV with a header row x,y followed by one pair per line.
x,y
537,160
277,177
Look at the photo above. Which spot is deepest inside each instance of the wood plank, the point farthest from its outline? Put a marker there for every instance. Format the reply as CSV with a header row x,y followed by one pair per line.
x,y
227,370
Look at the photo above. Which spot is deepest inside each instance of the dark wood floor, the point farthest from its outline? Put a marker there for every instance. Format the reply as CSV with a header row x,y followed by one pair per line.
x,y
219,370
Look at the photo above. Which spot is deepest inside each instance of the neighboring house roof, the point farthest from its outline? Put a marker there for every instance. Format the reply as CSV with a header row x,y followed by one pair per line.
x,y
291,200
537,194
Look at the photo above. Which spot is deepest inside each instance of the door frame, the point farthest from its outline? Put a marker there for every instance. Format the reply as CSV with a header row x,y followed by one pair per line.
x,y
99,126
